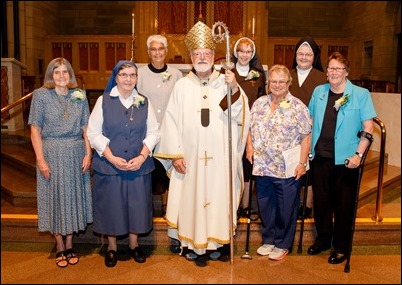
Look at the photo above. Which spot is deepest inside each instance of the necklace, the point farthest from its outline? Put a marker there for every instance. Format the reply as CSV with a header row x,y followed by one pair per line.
x,y
131,115
64,107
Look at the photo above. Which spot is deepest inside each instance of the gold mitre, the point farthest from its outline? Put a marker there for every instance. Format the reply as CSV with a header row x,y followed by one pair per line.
x,y
200,36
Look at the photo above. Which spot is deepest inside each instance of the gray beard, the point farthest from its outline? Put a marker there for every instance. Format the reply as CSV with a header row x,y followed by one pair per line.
x,y
202,67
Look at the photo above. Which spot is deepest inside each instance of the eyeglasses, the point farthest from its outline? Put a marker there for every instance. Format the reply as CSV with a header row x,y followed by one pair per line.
x,y
337,69
281,82
157,49
206,54
125,75
300,54
245,51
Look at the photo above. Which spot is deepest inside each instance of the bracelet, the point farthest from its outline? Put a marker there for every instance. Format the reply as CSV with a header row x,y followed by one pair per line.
x,y
303,163
359,154
142,156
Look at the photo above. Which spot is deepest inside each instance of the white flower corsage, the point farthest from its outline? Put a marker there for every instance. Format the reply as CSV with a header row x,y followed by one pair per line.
x,y
252,75
285,104
138,101
341,101
166,76
78,95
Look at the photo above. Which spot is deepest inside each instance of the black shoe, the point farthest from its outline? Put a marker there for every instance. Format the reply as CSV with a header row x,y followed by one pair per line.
x,y
201,260
137,254
240,212
307,213
175,246
317,248
111,258
336,257
225,252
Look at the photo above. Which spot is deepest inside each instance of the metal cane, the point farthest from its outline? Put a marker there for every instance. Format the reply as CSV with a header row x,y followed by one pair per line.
x,y
246,255
219,37
370,138
304,202
300,249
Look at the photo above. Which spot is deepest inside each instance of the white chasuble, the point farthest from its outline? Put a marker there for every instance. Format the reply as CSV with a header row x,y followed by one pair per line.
x,y
198,202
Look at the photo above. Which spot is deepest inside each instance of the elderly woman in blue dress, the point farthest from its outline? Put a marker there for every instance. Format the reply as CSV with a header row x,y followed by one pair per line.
x,y
58,118
123,130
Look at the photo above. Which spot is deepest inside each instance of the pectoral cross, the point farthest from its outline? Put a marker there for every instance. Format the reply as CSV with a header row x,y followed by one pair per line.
x,y
206,158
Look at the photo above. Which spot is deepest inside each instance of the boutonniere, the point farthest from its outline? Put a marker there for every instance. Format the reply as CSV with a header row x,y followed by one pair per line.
x,y
166,76
78,95
284,105
138,101
341,101
252,75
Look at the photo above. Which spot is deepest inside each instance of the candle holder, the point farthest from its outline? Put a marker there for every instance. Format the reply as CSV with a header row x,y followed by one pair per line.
x,y
132,48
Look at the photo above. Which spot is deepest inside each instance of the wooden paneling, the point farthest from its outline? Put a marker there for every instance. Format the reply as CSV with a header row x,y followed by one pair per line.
x,y
341,49
172,17
94,56
83,56
63,50
283,54
230,13
121,51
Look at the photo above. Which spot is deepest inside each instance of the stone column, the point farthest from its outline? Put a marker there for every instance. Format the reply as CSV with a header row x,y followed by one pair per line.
x,y
11,91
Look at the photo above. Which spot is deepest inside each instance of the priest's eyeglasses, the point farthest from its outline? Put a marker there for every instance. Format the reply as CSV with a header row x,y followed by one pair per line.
x,y
125,75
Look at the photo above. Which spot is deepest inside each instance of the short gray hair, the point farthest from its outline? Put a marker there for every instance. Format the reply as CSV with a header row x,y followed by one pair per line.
x,y
157,38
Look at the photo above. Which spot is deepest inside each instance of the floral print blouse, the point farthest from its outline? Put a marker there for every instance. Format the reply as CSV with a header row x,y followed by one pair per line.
x,y
277,131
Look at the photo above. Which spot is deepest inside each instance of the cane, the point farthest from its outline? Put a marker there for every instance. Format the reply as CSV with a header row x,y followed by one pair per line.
x,y
299,249
248,211
370,138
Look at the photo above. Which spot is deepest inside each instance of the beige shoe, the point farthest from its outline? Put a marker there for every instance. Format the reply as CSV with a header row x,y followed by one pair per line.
x,y
265,249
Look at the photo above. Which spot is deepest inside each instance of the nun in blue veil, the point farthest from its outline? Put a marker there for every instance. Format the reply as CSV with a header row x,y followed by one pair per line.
x,y
122,130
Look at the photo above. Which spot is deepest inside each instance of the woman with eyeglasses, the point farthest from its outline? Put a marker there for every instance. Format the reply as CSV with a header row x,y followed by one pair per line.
x,y
123,130
340,110
58,119
307,73
280,128
250,75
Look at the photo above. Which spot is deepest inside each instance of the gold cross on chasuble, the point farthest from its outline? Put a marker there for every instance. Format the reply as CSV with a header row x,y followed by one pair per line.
x,y
206,158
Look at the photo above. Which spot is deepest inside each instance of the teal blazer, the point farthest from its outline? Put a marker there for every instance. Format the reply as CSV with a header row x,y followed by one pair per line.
x,y
358,109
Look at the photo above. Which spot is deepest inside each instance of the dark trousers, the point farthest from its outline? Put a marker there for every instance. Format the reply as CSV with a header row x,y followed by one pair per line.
x,y
160,180
278,202
334,191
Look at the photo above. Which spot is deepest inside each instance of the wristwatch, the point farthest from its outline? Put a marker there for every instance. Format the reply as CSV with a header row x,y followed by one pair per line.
x,y
303,163
359,154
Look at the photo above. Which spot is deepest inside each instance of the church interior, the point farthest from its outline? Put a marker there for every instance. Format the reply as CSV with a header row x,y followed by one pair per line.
x,y
94,35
